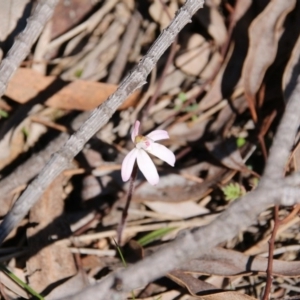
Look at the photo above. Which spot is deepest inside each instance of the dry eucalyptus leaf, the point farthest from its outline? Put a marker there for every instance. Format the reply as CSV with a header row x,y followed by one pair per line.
x,y
67,14
79,94
228,263
264,33
207,290
175,188
169,295
228,77
215,93
172,188
189,282
182,210
195,57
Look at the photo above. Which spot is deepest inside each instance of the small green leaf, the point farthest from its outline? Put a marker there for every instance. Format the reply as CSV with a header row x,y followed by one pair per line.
x,y
25,132
240,142
3,113
233,191
156,234
194,118
78,73
182,96
191,107
254,182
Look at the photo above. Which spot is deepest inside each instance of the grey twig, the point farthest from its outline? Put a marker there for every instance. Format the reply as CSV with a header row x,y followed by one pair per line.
x,y
98,118
23,43
31,167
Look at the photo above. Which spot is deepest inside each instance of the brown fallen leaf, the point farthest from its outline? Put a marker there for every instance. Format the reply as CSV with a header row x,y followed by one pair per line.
x,y
180,210
225,262
203,290
176,188
228,77
78,95
264,34
68,14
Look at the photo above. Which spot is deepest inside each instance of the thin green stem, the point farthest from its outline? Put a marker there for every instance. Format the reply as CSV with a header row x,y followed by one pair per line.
x,y
20,282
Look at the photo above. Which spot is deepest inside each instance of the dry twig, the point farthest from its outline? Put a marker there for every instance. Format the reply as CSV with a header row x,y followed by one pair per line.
x,y
25,40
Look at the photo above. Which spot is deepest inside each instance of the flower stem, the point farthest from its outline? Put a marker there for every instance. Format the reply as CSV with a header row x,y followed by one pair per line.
x,y
128,200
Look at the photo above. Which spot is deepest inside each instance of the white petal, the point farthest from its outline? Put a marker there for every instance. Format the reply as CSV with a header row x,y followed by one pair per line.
x,y
162,153
128,163
135,130
147,167
157,135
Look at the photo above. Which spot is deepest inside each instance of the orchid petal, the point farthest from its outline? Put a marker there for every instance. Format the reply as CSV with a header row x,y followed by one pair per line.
x,y
135,130
157,135
162,153
147,167
128,163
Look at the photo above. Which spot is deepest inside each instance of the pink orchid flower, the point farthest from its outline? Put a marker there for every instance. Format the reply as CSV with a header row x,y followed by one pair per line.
x,y
144,144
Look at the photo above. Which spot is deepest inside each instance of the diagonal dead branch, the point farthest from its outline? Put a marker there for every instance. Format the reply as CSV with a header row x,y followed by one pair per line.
x,y
21,47
98,118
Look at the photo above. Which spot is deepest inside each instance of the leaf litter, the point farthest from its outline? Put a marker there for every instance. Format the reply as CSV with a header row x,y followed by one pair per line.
x,y
215,100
